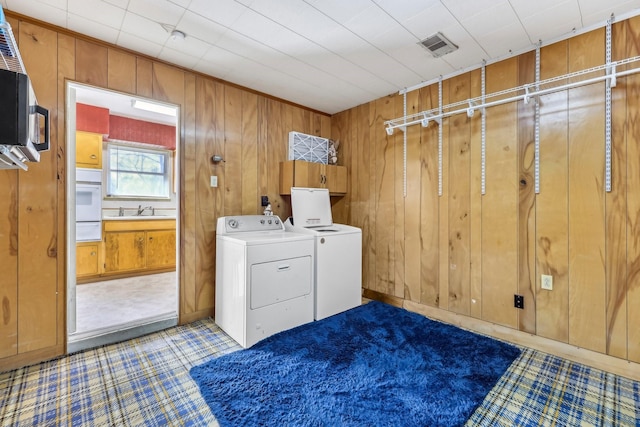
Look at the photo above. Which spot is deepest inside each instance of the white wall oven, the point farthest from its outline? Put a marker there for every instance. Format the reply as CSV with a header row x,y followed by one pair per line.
x,y
88,205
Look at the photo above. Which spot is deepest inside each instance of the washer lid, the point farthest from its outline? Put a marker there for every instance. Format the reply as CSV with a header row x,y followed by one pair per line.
x,y
311,207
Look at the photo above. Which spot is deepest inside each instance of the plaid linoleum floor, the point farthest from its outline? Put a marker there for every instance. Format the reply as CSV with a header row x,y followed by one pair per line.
x,y
146,381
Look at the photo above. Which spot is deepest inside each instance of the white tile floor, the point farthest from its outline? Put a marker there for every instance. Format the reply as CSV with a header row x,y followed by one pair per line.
x,y
111,304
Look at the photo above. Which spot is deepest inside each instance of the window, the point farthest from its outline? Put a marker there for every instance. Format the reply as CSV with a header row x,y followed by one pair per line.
x,y
138,172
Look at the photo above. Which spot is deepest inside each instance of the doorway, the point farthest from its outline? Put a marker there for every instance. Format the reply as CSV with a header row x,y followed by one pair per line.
x,y
122,256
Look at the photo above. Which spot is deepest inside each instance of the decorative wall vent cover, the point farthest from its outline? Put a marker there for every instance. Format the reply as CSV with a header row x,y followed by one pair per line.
x,y
438,45
308,147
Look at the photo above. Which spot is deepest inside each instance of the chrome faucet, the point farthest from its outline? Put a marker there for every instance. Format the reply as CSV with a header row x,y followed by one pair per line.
x,y
121,211
141,210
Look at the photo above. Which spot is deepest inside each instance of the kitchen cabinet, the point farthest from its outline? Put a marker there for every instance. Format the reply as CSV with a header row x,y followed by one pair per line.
x,y
139,245
88,150
124,251
299,173
161,248
87,259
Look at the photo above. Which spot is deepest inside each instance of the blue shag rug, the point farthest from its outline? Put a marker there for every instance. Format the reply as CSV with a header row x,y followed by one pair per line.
x,y
372,365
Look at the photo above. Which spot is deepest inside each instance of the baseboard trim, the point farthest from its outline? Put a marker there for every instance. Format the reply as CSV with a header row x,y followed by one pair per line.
x,y
576,354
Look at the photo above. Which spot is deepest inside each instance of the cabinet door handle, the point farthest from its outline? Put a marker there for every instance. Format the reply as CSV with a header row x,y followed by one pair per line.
x,y
93,253
93,156
150,238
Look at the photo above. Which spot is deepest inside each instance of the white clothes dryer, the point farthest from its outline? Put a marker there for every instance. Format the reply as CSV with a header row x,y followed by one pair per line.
x,y
264,277
338,251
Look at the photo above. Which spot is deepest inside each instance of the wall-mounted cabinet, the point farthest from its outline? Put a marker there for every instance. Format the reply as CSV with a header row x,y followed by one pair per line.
x,y
139,245
88,150
299,173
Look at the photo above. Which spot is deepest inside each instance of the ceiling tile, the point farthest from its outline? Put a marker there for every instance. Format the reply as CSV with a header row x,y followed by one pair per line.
x,y
178,57
97,10
138,44
340,10
91,28
144,28
505,40
181,3
220,11
199,27
490,19
558,20
42,11
526,8
162,11
430,21
122,4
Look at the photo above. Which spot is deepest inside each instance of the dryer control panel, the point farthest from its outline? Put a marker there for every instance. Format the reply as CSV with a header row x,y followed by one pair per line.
x,y
248,223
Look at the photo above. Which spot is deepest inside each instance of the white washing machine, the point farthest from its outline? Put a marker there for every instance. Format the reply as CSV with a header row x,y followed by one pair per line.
x,y
338,251
264,277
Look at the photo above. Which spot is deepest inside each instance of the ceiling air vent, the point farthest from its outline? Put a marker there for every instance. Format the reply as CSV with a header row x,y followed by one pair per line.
x,y
438,45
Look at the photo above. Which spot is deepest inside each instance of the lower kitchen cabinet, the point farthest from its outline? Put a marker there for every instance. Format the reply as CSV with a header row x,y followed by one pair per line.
x,y
139,245
124,251
87,259
161,248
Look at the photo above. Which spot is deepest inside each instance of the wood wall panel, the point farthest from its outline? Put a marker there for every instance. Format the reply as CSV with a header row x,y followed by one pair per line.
x,y
188,200
144,77
206,200
250,196
429,204
633,196
360,189
526,201
499,231
233,151
121,75
443,213
9,256
475,204
587,314
412,208
397,262
38,207
66,72
91,63
384,196
616,212
552,210
459,199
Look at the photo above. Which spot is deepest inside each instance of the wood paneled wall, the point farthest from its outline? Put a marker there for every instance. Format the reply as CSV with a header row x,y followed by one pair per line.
x,y
467,254
248,129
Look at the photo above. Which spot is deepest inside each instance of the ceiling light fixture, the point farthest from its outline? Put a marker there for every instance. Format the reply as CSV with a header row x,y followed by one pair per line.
x,y
177,35
153,107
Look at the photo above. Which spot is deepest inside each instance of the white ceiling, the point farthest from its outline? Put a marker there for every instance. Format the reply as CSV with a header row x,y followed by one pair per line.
x,y
329,55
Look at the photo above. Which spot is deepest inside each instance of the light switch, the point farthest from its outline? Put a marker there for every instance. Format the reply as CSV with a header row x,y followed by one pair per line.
x,y
214,181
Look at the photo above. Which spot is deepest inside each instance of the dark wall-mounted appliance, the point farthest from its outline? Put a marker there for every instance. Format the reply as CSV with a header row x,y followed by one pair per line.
x,y
21,118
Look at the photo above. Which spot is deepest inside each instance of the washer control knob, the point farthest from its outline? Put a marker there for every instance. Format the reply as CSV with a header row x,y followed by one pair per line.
x,y
269,221
262,221
233,223
277,222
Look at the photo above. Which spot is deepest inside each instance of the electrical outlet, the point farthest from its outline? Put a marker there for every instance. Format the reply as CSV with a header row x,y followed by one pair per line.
x,y
214,181
264,201
518,301
546,282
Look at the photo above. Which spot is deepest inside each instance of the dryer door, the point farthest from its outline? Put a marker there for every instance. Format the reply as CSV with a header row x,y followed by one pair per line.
x,y
277,281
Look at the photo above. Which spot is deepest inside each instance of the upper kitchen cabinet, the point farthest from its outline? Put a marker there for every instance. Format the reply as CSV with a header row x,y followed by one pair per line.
x,y
88,150
299,173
